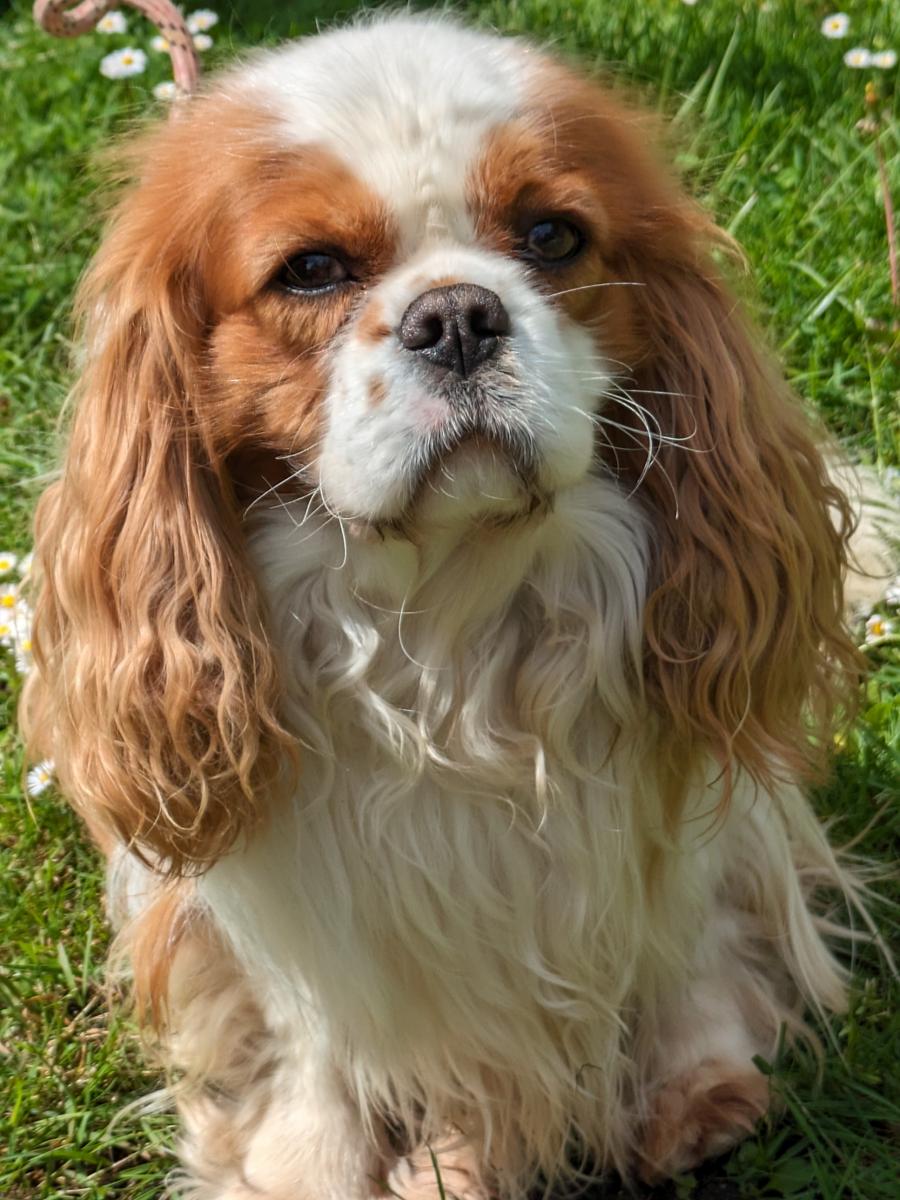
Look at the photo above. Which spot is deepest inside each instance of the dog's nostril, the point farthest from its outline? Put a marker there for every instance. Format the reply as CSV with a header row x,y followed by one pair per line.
x,y
456,327
426,333
493,321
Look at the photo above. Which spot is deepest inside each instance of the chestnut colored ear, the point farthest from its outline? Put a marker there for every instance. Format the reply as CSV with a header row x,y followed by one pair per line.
x,y
748,656
155,691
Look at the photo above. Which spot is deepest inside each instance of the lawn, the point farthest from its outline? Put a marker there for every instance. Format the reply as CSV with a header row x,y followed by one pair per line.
x,y
764,114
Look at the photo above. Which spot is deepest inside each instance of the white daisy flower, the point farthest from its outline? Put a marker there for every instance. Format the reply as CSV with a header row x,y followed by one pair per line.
x,y
24,661
7,563
689,3
9,598
123,63
166,90
7,631
878,628
39,778
113,22
858,57
884,59
201,20
836,25
202,41
159,44
21,635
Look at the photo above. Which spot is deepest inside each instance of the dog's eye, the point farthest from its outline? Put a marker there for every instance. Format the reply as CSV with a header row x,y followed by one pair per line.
x,y
553,240
312,273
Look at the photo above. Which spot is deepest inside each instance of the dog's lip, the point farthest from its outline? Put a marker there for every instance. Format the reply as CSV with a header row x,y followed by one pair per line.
x,y
533,500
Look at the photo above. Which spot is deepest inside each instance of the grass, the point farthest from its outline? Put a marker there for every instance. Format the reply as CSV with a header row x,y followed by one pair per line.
x,y
764,117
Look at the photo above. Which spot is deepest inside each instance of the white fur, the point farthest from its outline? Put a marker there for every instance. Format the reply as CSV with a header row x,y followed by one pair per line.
x,y
405,102
454,900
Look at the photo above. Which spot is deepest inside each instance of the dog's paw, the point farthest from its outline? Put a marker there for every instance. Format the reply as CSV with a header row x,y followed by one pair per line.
x,y
451,1173
698,1115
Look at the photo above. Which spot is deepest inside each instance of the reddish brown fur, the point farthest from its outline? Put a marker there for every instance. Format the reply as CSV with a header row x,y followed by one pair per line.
x,y
699,1115
371,326
377,391
744,627
157,693
150,943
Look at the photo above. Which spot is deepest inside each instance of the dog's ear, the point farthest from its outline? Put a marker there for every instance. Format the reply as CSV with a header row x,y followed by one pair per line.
x,y
155,691
747,656
747,652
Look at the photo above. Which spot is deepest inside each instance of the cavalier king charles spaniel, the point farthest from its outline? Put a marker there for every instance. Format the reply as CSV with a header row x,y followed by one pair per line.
x,y
440,616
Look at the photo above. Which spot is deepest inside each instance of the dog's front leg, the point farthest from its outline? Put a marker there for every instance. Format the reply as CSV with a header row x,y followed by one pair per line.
x,y
291,1133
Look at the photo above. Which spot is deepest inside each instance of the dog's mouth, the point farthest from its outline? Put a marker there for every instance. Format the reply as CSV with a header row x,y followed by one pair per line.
x,y
482,473
482,420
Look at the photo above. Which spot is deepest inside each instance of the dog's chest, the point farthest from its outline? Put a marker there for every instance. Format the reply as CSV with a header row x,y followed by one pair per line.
x,y
392,900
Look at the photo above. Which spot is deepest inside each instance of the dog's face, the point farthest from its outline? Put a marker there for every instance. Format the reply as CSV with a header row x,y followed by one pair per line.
x,y
428,277
411,253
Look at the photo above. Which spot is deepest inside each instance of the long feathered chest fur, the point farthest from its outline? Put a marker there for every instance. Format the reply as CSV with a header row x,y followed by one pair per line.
x,y
460,897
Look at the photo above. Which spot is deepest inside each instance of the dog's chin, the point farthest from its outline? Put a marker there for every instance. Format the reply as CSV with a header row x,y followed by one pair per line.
x,y
479,480
477,483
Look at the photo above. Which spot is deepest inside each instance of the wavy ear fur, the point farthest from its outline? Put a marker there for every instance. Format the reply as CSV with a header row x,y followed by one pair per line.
x,y
747,651
155,691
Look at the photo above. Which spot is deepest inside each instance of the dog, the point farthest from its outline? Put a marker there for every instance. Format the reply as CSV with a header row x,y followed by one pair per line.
x,y
439,620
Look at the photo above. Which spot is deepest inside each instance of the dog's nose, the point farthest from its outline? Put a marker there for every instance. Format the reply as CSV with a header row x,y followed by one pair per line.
x,y
458,327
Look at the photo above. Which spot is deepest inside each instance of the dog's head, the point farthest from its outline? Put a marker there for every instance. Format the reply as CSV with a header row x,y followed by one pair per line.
x,y
347,265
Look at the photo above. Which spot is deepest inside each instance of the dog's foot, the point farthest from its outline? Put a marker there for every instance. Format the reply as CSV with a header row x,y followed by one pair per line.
x,y
451,1173
700,1114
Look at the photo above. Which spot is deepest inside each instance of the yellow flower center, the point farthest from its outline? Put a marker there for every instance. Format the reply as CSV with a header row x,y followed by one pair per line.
x,y
7,601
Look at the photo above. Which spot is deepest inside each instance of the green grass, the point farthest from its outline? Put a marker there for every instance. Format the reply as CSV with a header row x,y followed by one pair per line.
x,y
765,116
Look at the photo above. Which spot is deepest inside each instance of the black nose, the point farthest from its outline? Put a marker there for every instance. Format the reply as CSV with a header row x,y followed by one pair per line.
x,y
458,327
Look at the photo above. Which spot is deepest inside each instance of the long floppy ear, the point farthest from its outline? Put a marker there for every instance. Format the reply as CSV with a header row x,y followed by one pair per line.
x,y
747,650
155,691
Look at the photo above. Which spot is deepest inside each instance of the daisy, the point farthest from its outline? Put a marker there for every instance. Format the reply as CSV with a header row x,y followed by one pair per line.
x,y
9,597
885,59
201,20
7,631
159,44
23,656
202,41
123,63
690,3
166,90
836,25
113,22
877,628
858,57
39,778
7,563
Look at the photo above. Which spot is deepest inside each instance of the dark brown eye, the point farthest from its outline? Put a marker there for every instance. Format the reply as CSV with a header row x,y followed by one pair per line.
x,y
553,240
312,273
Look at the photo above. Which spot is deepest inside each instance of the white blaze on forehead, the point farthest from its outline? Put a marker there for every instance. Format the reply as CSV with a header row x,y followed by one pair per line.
x,y
405,102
